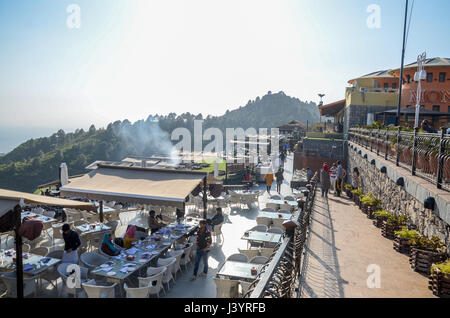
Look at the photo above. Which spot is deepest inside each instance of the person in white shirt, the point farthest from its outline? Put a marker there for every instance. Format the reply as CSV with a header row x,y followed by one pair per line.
x,y
333,177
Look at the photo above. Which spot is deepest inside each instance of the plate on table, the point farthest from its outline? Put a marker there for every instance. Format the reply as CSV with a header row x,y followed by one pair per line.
x,y
131,268
111,273
105,265
143,260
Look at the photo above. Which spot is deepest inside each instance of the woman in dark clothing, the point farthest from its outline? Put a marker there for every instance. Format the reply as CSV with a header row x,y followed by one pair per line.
x,y
280,178
71,244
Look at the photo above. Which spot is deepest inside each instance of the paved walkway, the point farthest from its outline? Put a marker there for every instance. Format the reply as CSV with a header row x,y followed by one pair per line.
x,y
342,244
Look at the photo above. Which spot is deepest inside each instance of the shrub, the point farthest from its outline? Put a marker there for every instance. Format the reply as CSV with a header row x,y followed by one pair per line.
x,y
443,267
357,192
397,219
371,200
421,242
383,213
407,234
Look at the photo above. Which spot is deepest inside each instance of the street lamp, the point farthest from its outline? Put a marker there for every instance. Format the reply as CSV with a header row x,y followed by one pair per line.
x,y
419,76
320,104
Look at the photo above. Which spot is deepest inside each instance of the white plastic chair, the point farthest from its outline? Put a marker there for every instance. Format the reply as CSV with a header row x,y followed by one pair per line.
x,y
94,291
259,228
266,251
186,256
244,287
289,198
177,267
259,260
10,281
286,206
275,230
169,263
57,233
249,253
226,288
238,258
62,270
154,280
263,221
276,197
92,259
268,210
41,250
139,292
218,232
284,211
278,223
51,274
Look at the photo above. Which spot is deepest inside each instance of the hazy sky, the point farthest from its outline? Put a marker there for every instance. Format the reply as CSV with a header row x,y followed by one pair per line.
x,y
131,58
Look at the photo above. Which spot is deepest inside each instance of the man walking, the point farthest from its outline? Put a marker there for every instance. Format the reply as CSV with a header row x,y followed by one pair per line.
x,y
280,178
340,174
203,245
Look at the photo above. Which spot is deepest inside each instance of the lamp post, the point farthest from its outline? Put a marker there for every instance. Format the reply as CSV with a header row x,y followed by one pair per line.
x,y
420,75
402,67
321,104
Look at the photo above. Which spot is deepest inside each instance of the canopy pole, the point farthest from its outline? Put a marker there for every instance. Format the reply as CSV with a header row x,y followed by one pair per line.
x,y
205,199
101,211
19,261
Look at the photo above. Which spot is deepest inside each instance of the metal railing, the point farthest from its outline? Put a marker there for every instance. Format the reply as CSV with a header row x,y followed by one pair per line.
x,y
277,278
425,155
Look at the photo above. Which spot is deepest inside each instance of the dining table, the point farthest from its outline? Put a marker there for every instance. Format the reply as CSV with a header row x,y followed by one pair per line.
x,y
265,237
94,228
32,264
274,215
41,217
239,270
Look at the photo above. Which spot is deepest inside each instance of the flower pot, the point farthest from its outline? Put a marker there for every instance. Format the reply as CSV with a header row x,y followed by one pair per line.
x,y
402,245
370,212
387,230
378,220
440,283
365,208
421,260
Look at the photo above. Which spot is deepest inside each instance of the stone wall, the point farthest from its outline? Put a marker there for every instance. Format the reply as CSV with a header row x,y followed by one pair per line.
x,y
324,148
407,199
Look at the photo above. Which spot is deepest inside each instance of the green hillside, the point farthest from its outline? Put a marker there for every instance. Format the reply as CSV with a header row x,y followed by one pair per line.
x,y
37,161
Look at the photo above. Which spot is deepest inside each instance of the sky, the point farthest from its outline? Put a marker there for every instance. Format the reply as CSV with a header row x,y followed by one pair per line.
x,y
129,59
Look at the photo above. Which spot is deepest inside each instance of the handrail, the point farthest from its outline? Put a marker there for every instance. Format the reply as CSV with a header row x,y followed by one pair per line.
x,y
426,155
277,277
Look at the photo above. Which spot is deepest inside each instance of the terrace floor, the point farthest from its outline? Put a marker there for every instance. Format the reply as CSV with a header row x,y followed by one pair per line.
x,y
342,244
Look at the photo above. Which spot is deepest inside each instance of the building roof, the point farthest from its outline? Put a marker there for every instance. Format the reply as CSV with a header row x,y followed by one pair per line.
x,y
374,75
432,62
292,125
9,199
332,109
160,187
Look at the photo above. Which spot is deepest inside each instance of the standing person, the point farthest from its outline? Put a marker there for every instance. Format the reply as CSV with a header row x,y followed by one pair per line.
x,y
203,245
340,178
325,182
355,178
282,158
428,128
333,171
153,223
280,178
308,174
216,219
180,215
269,179
71,244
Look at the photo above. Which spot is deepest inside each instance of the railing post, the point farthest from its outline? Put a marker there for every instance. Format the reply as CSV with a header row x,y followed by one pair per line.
x,y
370,139
387,145
378,141
399,139
414,154
440,163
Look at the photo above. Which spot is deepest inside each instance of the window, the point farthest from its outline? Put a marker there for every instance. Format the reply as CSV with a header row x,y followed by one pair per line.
x,y
448,111
429,77
386,85
437,108
442,76
394,85
409,78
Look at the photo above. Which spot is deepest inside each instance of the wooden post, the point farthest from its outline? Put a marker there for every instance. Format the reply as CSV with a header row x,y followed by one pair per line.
x,y
19,261
101,211
205,199
440,163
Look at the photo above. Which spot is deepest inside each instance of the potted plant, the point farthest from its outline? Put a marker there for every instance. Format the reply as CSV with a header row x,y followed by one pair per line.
x,y
425,252
379,217
402,240
348,190
393,223
357,193
370,204
440,279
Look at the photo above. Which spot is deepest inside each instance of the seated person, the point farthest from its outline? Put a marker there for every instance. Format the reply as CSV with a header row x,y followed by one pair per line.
x,y
129,237
108,246
153,223
180,214
216,219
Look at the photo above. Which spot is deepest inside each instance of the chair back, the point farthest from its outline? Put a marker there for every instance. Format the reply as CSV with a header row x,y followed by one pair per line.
x,y
289,198
42,251
139,234
154,279
259,228
275,230
259,260
56,254
238,258
57,232
265,251
263,221
10,281
277,223
276,197
226,288
92,259
286,206
169,264
186,256
249,253
140,292
217,230
26,247
244,286
94,291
